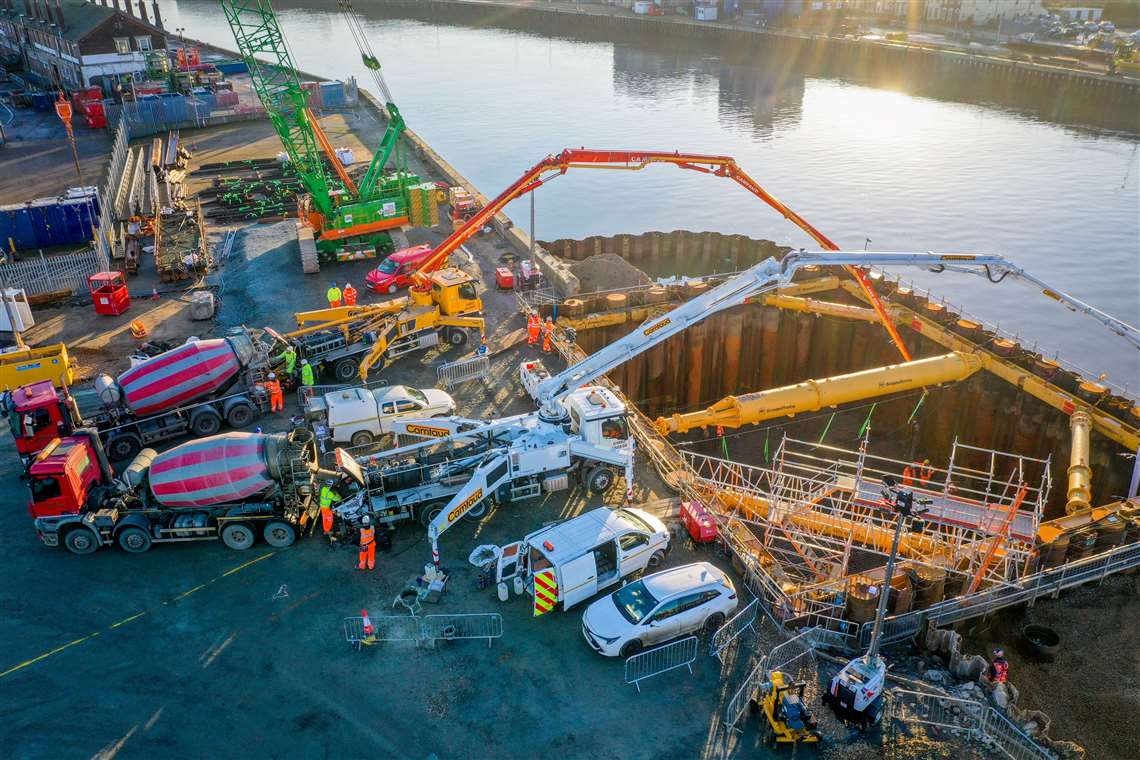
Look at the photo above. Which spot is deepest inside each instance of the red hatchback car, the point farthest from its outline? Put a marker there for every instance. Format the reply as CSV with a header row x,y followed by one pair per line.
x,y
395,272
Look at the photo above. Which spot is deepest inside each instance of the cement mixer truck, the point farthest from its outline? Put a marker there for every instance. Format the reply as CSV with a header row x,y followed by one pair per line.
x,y
194,388
236,487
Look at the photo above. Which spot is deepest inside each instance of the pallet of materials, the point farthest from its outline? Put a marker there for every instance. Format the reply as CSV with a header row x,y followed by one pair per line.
x,y
180,251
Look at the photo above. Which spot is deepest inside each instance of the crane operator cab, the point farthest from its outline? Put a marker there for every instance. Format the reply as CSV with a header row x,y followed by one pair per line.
x,y
599,417
453,291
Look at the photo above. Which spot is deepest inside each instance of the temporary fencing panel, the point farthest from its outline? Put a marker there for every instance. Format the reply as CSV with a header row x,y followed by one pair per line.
x,y
46,274
662,659
482,625
736,625
944,717
795,658
463,370
386,628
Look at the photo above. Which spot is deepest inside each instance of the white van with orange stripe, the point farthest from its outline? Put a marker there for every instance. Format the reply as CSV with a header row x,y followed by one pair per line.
x,y
584,554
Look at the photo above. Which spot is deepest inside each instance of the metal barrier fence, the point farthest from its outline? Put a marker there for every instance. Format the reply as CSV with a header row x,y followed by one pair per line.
x,y
479,625
662,659
949,717
385,628
740,698
735,626
51,273
464,370
797,651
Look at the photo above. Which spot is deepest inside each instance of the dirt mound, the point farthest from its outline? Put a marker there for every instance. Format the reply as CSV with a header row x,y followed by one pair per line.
x,y
607,271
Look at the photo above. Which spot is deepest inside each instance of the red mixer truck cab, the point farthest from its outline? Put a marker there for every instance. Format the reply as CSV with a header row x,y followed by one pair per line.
x,y
236,487
38,414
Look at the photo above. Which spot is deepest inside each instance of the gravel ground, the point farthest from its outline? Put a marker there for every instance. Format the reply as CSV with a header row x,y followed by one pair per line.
x,y
607,271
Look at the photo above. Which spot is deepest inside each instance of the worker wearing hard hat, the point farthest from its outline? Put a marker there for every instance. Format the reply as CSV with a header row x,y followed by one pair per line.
x,y
367,559
276,395
334,295
533,328
999,667
349,294
307,377
289,357
327,497
547,335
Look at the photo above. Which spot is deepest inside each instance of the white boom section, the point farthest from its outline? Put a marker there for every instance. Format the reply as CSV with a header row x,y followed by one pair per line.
x,y
771,274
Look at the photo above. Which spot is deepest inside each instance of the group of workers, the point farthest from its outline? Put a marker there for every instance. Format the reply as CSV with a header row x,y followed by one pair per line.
x,y
337,298
329,496
535,326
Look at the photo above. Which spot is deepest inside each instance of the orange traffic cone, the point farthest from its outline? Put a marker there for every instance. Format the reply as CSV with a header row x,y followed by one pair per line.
x,y
368,628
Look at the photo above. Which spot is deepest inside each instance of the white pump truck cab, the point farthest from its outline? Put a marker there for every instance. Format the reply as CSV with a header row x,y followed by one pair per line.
x,y
587,553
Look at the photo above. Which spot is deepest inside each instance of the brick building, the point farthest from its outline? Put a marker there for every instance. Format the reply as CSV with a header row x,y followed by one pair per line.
x,y
76,43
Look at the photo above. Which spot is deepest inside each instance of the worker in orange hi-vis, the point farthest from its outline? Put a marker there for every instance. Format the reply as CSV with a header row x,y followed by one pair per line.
x,y
533,327
349,294
547,335
276,395
367,545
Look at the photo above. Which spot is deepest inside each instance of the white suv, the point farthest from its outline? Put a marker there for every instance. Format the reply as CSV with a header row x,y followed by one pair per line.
x,y
659,607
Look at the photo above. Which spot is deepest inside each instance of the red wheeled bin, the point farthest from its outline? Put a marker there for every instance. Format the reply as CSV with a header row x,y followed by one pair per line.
x,y
109,292
698,521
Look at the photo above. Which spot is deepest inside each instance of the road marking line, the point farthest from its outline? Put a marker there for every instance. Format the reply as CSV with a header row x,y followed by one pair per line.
x,y
136,616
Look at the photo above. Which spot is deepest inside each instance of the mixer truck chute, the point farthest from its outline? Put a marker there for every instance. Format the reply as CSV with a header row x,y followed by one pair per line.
x,y
232,487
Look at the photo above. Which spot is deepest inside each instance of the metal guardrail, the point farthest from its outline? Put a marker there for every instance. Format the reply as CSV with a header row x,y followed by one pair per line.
x,y
479,625
957,718
740,698
1031,588
736,625
797,650
464,370
385,628
662,659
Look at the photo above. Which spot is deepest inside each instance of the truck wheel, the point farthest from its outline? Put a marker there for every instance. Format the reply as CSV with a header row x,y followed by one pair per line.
x,y
123,446
430,512
344,370
240,415
80,541
278,534
600,479
457,336
238,536
205,422
361,438
133,539
476,512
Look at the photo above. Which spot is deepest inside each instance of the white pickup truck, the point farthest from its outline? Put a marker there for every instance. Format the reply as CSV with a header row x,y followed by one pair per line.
x,y
357,416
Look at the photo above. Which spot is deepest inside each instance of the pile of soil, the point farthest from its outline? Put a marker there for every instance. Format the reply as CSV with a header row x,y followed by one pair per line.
x,y
607,271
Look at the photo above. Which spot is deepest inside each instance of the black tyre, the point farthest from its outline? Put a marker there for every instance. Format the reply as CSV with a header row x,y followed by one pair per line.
x,y
599,480
430,512
205,422
475,514
344,370
656,558
457,336
123,447
361,438
631,647
240,416
874,711
133,539
80,541
713,623
1041,643
278,534
238,536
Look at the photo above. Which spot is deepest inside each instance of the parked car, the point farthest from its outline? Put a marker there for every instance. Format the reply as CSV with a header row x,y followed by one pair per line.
x,y
357,416
659,607
395,272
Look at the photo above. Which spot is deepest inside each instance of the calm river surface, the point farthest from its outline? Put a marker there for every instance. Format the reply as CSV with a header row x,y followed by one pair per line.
x,y
912,171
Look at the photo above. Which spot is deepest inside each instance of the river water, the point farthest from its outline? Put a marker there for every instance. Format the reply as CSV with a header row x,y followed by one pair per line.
x,y
912,167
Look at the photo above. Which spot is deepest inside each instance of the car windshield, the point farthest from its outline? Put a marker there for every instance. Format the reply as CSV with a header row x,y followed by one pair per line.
x,y
416,395
634,601
387,266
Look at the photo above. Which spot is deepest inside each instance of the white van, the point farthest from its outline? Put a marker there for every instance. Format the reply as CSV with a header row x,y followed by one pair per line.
x,y
588,553
357,416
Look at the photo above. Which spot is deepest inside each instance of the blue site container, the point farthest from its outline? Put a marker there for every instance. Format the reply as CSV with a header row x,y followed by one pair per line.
x,y
48,222
16,226
332,95
232,67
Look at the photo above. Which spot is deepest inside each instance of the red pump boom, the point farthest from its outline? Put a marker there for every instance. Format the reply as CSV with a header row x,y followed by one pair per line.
x,y
719,166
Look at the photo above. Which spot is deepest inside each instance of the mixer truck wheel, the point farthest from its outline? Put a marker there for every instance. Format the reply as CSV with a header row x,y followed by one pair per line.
x,y
278,534
205,422
238,536
133,539
123,447
80,541
240,415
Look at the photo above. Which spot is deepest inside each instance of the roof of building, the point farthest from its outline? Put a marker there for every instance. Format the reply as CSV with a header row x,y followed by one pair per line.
x,y
80,17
